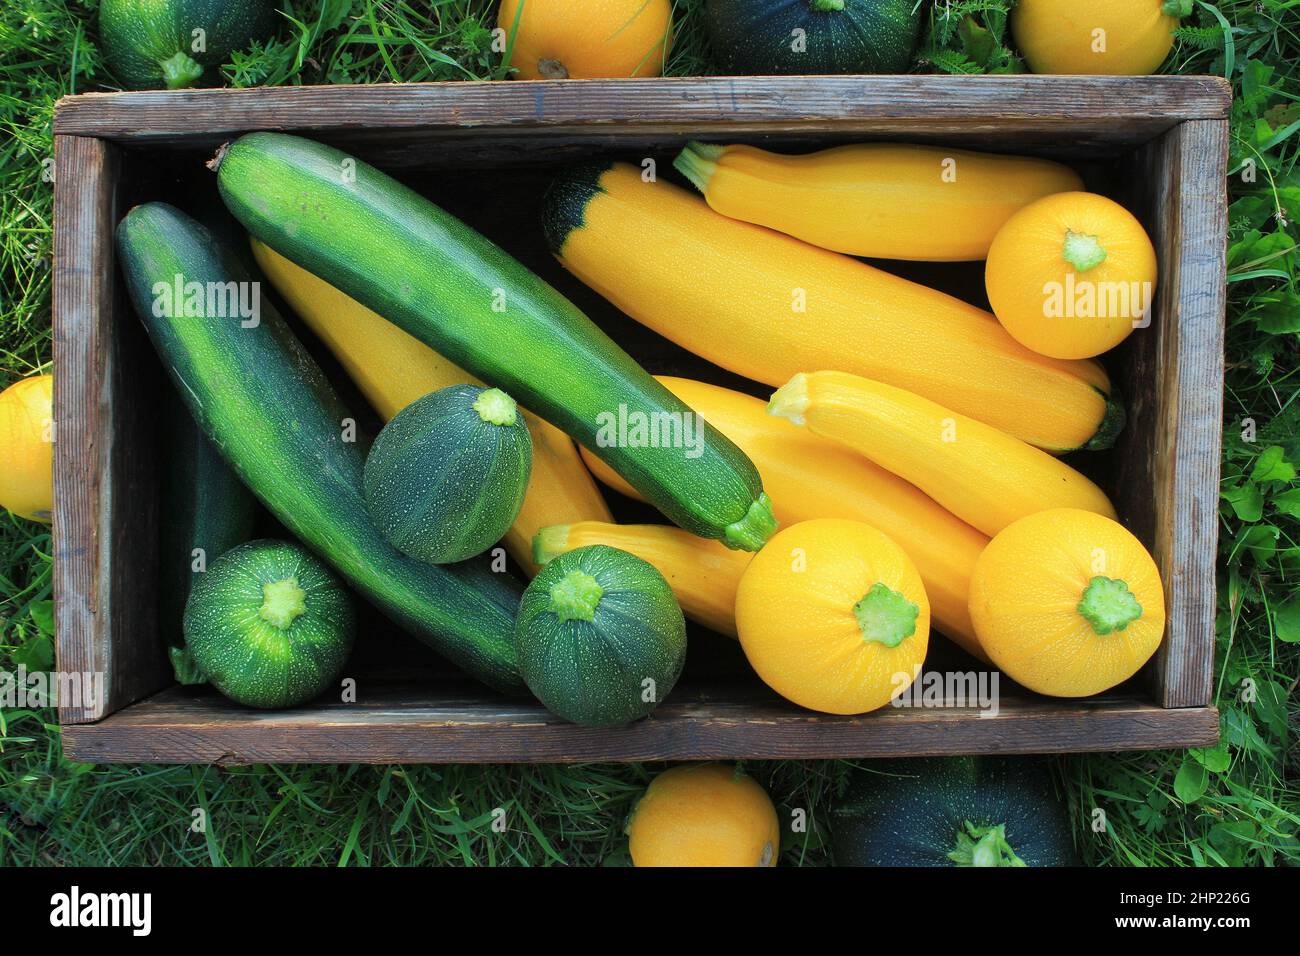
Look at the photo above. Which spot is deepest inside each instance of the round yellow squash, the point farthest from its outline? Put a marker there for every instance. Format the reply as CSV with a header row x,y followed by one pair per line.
x,y
833,616
1110,37
562,39
1067,603
27,448
1071,275
704,815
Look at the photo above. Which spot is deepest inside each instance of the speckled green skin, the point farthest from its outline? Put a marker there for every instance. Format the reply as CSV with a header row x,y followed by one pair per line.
x,y
867,36
138,36
441,483
591,672
908,812
251,660
269,410
204,506
430,274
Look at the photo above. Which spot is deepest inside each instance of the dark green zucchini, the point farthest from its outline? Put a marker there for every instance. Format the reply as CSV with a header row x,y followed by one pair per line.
x,y
267,407
952,811
150,44
269,625
799,37
601,638
447,475
427,272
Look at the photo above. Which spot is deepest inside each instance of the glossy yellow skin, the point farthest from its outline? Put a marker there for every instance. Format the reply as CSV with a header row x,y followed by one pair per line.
x,y
27,448
983,476
703,573
572,39
1048,305
794,614
883,200
1057,36
704,815
393,369
728,291
1025,597
812,477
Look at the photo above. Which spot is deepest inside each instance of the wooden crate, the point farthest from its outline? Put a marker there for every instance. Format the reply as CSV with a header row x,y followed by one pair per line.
x,y
485,151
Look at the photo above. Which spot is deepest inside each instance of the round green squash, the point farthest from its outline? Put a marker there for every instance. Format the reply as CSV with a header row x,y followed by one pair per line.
x,y
810,37
600,637
952,811
150,44
447,475
269,625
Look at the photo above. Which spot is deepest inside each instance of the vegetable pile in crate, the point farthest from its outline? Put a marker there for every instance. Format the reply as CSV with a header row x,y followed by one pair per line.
x,y
861,476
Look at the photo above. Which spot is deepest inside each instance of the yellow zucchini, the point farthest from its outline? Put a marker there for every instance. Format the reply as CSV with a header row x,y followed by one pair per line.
x,y
393,369
876,199
809,477
703,573
982,475
767,306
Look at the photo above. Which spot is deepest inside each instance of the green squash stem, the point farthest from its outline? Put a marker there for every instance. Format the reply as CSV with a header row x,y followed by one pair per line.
x,y
826,6
984,846
283,602
1108,605
698,162
180,70
496,407
1082,251
752,531
885,616
575,597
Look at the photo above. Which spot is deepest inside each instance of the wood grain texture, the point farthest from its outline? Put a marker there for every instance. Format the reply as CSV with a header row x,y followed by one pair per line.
x,y
1115,109
456,724
1169,461
105,490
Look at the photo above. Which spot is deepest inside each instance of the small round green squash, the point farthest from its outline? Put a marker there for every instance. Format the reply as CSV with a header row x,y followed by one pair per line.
x,y
269,625
600,636
150,44
952,811
810,37
447,475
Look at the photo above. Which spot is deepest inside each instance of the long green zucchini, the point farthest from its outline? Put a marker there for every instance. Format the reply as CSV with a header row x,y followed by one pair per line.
x,y
439,280
258,395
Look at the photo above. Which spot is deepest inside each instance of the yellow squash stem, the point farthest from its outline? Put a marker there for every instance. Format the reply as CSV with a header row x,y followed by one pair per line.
x,y
982,475
703,574
393,369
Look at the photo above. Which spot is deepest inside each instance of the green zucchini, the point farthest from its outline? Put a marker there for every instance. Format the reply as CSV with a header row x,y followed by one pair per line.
x,y
601,638
154,43
427,272
257,394
206,511
269,625
952,811
447,475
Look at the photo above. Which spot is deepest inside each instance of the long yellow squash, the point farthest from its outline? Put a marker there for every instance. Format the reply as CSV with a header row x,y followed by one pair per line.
x,y
982,475
809,477
393,369
767,306
884,200
703,573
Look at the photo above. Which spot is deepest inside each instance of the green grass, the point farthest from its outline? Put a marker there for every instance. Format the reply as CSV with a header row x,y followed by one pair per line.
x,y
1237,804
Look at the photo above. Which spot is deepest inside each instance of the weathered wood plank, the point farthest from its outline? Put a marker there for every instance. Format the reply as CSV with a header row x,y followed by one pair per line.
x,y
1169,461
1079,105
105,530
444,725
